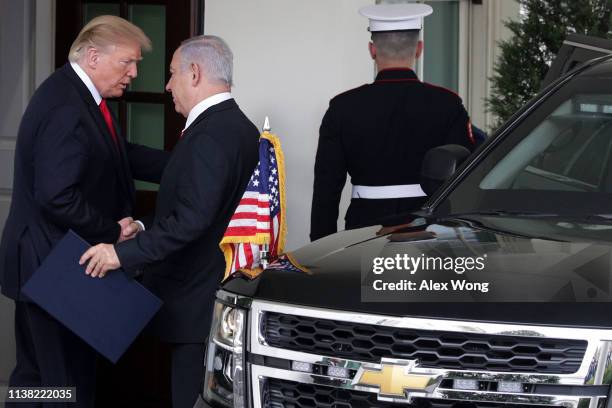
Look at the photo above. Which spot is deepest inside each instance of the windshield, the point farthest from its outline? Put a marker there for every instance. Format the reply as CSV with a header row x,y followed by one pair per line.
x,y
557,161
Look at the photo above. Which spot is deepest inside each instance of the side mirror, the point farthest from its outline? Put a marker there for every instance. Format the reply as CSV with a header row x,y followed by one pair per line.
x,y
439,164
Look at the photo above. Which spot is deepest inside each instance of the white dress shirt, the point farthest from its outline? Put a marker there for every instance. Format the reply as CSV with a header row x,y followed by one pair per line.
x,y
87,81
205,104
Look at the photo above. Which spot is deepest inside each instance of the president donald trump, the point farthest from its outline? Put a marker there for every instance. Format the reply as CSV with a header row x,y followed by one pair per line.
x,y
73,170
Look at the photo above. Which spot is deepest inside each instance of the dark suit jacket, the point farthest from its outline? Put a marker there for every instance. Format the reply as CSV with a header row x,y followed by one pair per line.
x,y
379,133
68,175
200,190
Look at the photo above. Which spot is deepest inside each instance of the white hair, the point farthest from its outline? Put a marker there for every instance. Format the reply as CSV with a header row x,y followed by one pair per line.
x,y
211,54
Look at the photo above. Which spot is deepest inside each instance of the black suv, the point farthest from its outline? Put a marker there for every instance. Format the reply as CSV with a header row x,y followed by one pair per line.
x,y
535,200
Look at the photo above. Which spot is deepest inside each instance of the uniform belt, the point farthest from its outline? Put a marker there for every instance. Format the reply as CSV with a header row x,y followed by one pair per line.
x,y
399,191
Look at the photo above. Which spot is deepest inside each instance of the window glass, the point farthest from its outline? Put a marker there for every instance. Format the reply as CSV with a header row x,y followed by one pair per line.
x,y
146,127
441,40
91,10
568,151
557,159
152,69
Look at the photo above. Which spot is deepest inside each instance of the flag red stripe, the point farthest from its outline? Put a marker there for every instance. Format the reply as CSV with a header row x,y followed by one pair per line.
x,y
253,201
251,216
240,231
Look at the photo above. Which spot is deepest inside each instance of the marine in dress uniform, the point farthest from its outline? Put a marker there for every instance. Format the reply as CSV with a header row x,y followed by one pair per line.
x,y
379,133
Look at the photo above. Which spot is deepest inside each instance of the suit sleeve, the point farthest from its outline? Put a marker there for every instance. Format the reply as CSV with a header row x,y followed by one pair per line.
x,y
146,163
59,162
329,179
460,128
200,193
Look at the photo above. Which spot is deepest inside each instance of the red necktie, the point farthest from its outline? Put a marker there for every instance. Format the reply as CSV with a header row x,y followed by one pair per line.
x,y
109,121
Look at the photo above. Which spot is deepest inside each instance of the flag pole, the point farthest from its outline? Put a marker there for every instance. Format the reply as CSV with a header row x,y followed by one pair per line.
x,y
265,252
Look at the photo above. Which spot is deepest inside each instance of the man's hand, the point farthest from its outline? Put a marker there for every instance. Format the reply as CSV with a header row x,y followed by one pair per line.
x,y
129,229
102,258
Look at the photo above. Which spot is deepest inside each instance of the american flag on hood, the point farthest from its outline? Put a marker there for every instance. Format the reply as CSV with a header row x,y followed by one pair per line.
x,y
288,263
256,232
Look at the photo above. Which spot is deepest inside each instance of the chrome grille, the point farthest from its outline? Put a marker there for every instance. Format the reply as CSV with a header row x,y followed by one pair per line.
x,y
438,349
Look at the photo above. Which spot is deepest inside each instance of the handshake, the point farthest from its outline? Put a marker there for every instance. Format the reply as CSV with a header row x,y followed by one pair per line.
x,y
129,229
102,258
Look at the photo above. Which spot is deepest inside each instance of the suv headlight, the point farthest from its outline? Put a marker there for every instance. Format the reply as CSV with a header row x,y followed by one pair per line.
x,y
224,380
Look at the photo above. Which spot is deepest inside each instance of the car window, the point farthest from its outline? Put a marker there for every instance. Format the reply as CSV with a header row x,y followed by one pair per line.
x,y
556,159
568,151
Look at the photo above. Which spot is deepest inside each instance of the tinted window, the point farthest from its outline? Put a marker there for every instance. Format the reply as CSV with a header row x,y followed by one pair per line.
x,y
559,159
568,151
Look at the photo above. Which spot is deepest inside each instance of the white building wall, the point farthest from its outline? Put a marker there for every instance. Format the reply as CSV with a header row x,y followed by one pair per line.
x,y
292,56
290,59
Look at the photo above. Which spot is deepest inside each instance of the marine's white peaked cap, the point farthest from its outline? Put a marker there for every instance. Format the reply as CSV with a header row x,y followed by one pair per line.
x,y
395,17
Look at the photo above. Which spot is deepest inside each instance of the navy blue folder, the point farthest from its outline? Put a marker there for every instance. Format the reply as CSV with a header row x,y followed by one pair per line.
x,y
108,313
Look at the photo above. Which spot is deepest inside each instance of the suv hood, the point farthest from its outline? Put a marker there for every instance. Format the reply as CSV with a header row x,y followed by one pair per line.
x,y
518,249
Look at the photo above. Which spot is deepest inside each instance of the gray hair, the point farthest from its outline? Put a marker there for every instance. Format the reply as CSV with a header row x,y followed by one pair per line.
x,y
396,44
211,54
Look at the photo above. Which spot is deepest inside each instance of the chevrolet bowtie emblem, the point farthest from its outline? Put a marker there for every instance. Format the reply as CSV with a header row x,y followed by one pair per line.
x,y
396,379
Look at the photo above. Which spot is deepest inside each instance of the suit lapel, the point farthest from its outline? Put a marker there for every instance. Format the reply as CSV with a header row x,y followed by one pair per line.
x,y
123,159
94,109
120,160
